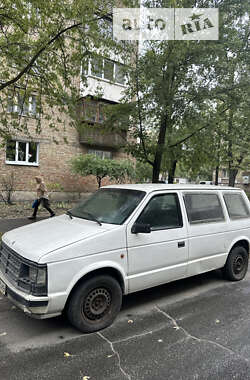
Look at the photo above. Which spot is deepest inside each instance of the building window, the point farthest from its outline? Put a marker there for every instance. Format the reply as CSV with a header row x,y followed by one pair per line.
x,y
224,173
22,104
97,67
108,70
22,153
105,26
100,153
90,111
119,74
93,111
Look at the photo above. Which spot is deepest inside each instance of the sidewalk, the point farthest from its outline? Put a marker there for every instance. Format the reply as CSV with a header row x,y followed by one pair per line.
x,y
10,224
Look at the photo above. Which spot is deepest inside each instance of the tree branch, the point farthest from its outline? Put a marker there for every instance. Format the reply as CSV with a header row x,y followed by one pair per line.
x,y
194,132
40,51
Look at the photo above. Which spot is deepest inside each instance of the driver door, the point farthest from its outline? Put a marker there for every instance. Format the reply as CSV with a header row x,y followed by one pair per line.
x,y
161,255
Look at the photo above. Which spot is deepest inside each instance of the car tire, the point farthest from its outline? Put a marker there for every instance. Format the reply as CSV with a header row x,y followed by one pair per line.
x,y
236,265
94,304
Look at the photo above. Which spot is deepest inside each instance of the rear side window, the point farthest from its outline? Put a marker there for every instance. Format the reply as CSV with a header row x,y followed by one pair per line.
x,y
162,212
236,206
203,208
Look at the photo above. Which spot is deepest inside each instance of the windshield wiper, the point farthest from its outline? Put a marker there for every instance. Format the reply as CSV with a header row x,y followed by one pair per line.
x,y
69,214
92,217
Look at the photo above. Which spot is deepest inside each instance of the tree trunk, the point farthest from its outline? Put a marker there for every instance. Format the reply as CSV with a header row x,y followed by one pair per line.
x,y
231,170
159,150
217,175
171,171
232,176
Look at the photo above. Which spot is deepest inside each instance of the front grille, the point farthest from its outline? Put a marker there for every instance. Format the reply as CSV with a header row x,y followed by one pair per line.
x,y
10,263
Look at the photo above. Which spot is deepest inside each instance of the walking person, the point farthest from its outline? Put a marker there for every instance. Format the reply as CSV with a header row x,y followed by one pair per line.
x,y
42,198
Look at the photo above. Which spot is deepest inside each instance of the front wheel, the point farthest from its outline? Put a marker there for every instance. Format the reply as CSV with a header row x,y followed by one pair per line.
x,y
94,304
236,265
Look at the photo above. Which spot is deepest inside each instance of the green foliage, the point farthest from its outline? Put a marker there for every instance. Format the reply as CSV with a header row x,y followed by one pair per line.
x,y
54,187
90,164
43,45
143,172
180,94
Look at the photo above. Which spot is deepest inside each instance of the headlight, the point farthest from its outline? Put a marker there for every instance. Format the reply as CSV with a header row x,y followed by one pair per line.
x,y
33,279
32,274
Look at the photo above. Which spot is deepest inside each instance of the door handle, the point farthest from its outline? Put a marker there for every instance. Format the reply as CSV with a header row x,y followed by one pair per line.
x,y
181,244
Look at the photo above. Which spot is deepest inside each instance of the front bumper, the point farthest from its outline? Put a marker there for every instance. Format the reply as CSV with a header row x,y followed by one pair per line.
x,y
36,307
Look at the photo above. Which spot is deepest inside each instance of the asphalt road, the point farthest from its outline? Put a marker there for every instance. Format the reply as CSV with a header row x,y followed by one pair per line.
x,y
198,328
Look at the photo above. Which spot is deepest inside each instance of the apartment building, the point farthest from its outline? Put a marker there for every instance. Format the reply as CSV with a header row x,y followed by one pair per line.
x,y
27,155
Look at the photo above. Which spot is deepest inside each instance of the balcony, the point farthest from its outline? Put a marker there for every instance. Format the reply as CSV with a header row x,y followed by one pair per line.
x,y
97,136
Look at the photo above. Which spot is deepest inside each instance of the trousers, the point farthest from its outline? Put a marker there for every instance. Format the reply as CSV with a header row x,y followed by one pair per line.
x,y
45,203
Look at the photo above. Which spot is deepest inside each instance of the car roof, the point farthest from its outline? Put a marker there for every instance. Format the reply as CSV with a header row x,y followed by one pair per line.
x,y
150,187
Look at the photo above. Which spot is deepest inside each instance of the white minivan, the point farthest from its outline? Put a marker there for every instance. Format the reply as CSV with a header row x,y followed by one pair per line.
x,y
122,239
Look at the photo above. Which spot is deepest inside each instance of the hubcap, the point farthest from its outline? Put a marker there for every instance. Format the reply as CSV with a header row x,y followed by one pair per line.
x,y
97,303
238,264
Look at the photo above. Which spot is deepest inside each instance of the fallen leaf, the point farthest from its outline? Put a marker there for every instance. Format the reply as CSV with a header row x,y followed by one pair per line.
x,y
176,327
66,354
130,321
3,334
217,321
160,340
85,378
109,356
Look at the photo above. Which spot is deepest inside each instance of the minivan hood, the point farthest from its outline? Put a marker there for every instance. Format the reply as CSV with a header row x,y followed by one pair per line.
x,y
37,239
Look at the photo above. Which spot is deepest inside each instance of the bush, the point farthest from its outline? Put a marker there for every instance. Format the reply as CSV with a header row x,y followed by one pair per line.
x,y
7,190
89,164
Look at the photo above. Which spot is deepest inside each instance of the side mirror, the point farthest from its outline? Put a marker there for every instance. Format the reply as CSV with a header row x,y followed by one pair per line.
x,y
140,228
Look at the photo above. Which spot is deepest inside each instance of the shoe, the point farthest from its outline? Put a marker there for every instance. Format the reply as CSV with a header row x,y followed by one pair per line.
x,y
32,217
51,216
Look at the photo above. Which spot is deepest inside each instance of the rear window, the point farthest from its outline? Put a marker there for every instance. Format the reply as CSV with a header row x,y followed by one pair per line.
x,y
203,208
236,206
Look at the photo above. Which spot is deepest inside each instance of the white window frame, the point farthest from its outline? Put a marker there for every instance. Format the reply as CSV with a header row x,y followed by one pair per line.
x,y
26,162
92,74
15,108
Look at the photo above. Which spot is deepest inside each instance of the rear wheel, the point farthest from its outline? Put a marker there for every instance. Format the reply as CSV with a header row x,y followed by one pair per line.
x,y
95,303
236,266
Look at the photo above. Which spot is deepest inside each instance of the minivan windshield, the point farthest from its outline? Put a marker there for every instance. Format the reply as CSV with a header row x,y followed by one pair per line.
x,y
109,205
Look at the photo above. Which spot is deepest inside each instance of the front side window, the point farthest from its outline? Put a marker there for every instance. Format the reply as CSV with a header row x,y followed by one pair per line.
x,y
22,152
236,206
162,212
111,206
203,208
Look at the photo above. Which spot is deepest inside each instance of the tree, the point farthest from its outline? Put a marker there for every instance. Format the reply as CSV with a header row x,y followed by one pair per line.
x,y
90,164
174,89
43,46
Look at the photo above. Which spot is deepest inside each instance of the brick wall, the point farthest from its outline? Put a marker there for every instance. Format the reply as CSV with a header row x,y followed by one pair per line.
x,y
53,161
